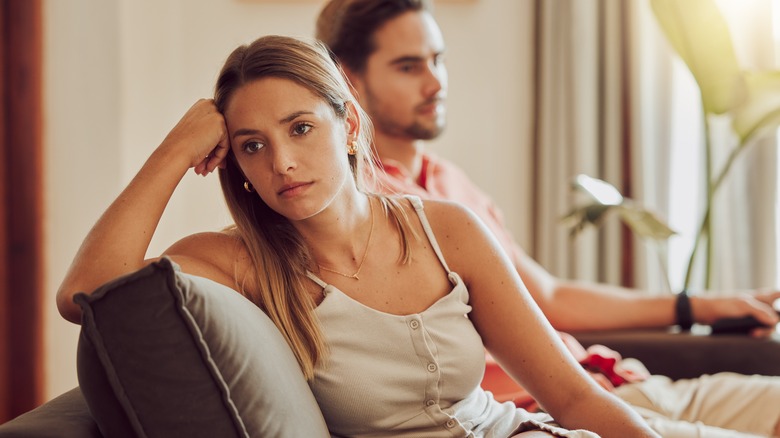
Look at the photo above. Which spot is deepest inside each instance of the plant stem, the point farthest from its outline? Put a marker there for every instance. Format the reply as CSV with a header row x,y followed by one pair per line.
x,y
709,259
696,245
732,157
704,228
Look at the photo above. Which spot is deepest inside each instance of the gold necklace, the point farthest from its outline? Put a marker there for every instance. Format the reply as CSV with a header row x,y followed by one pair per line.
x,y
365,252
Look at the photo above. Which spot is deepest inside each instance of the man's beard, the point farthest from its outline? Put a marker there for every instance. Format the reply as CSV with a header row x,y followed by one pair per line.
x,y
420,132
415,131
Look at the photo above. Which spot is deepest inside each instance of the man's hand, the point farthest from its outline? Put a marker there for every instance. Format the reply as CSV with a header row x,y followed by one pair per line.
x,y
760,304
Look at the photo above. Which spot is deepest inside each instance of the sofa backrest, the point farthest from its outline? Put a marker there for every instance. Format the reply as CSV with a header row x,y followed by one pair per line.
x,y
163,353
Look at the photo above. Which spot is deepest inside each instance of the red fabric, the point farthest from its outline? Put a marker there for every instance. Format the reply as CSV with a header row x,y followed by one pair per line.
x,y
606,361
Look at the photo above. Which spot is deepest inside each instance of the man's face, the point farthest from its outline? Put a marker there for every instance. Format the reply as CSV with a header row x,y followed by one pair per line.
x,y
404,84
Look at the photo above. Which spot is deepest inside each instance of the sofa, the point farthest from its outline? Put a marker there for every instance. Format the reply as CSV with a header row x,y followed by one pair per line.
x,y
162,353
165,353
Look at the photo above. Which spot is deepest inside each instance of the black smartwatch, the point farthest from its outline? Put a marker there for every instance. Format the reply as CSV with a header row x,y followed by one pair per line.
x,y
682,311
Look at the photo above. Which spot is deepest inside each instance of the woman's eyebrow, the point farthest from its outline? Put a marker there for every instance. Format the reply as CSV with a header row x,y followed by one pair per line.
x,y
285,120
293,116
245,131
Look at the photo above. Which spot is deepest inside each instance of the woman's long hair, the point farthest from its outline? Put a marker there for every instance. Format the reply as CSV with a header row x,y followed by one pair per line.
x,y
279,253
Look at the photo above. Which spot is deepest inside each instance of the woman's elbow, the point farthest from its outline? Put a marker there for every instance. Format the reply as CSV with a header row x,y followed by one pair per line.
x,y
65,305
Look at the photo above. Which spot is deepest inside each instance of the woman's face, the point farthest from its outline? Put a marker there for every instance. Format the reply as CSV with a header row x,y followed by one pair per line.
x,y
290,144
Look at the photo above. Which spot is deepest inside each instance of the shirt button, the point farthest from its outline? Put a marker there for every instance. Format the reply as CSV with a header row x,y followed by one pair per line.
x,y
450,423
430,402
431,367
414,324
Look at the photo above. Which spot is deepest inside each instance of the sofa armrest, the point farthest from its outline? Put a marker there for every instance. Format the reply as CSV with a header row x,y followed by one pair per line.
x,y
65,416
681,355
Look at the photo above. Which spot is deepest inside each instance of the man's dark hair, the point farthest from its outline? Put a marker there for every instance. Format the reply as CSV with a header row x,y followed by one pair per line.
x,y
347,27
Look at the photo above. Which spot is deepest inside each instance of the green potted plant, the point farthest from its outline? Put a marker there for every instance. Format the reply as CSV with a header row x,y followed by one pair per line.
x,y
698,32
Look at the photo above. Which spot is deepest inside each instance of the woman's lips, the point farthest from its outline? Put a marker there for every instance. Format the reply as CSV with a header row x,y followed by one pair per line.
x,y
293,189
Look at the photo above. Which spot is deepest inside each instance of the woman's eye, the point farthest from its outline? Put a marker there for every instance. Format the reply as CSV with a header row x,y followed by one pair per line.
x,y
252,146
301,128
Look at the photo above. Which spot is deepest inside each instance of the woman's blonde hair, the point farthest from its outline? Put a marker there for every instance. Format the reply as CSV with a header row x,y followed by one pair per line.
x,y
278,252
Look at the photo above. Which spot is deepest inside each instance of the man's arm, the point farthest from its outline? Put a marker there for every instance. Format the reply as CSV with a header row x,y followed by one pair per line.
x,y
581,306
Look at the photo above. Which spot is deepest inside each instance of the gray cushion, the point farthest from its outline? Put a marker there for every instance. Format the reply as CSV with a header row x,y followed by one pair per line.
x,y
163,353
66,416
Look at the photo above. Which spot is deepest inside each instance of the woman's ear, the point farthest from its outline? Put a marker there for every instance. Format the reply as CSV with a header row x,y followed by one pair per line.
x,y
352,121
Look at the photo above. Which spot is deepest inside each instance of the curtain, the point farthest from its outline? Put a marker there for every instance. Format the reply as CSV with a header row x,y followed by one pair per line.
x,y
585,116
5,328
21,273
613,101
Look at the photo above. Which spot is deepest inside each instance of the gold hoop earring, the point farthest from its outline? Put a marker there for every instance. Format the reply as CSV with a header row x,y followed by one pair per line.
x,y
248,187
352,148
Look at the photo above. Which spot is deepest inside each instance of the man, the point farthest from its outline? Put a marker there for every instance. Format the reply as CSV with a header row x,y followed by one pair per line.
x,y
392,52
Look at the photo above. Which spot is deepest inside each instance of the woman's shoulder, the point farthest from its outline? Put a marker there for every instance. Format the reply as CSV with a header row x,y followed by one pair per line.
x,y
209,243
435,210
460,233
448,212
428,204
218,255
444,214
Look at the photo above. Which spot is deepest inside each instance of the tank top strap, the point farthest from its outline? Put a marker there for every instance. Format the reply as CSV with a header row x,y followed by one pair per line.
x,y
315,279
418,207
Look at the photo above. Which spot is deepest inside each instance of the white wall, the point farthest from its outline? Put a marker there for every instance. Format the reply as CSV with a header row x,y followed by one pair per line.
x,y
81,151
119,74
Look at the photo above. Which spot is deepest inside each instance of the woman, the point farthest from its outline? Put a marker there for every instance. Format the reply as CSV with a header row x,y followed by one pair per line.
x,y
385,302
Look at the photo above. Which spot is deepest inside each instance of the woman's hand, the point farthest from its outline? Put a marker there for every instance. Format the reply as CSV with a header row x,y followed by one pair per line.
x,y
201,134
118,242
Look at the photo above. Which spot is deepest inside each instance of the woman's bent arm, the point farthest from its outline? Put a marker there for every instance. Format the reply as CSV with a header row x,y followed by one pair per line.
x,y
516,333
118,242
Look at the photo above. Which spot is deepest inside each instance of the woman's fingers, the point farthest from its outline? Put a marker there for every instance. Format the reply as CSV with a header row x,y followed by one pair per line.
x,y
218,156
209,164
201,134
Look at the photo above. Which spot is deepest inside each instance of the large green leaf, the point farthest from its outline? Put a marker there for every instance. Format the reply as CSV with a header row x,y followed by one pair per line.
x,y
644,223
601,191
699,33
762,108
582,216
607,199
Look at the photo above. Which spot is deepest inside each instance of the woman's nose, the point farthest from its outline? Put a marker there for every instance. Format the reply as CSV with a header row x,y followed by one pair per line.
x,y
283,160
